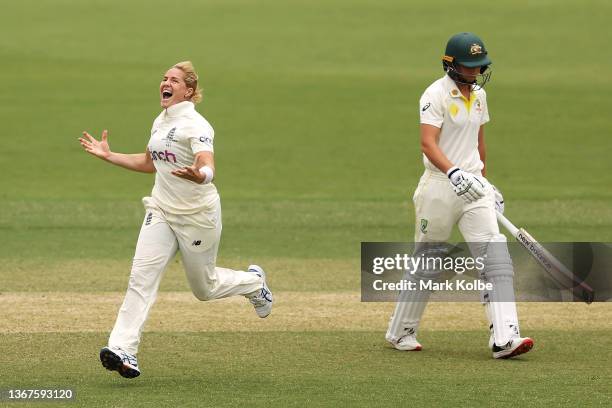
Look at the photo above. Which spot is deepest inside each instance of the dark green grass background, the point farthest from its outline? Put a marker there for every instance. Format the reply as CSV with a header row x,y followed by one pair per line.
x,y
314,104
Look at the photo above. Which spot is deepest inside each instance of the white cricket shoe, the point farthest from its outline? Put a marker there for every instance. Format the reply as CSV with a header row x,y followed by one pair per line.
x,y
516,346
116,359
262,301
406,343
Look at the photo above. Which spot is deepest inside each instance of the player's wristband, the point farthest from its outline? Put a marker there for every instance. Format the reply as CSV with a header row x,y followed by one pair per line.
x,y
451,171
208,174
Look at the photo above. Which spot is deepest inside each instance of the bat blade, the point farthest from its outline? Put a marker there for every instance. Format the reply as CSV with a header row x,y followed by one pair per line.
x,y
555,269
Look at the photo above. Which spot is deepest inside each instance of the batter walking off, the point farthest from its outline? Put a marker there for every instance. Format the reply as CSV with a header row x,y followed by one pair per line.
x,y
182,214
454,191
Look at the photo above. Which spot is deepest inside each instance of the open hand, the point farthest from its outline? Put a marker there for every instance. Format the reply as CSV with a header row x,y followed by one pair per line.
x,y
189,173
97,148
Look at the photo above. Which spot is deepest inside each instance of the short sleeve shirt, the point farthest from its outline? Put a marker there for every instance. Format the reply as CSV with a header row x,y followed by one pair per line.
x,y
442,105
178,133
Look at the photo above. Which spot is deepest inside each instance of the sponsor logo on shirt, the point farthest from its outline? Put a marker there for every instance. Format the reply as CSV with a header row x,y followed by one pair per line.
x,y
206,140
427,105
163,156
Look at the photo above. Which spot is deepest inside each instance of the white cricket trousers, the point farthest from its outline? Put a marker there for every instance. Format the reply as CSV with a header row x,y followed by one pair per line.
x,y
438,209
162,234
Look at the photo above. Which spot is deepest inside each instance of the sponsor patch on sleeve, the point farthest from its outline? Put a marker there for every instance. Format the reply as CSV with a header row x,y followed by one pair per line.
x,y
207,140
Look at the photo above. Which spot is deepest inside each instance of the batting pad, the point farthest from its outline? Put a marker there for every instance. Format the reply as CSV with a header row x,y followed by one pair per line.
x,y
500,301
411,303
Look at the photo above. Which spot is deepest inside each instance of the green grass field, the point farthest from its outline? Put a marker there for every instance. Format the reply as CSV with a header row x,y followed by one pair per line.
x,y
314,105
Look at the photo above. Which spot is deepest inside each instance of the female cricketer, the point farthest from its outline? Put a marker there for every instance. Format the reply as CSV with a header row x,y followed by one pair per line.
x,y
453,190
182,214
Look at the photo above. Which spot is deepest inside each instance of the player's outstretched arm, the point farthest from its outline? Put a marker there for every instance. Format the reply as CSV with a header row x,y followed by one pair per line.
x,y
141,162
201,171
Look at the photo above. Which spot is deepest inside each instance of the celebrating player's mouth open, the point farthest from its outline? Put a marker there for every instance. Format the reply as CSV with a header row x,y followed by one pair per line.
x,y
182,214
454,191
173,88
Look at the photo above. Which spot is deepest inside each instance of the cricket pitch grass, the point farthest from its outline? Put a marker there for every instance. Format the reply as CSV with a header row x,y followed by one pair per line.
x,y
318,348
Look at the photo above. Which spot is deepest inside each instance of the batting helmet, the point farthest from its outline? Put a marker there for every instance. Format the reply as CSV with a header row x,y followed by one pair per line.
x,y
466,49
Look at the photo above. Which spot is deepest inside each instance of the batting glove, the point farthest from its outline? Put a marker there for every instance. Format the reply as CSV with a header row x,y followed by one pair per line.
x,y
499,200
465,185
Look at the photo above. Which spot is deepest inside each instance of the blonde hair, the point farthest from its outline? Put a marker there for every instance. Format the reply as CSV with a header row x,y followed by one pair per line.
x,y
191,79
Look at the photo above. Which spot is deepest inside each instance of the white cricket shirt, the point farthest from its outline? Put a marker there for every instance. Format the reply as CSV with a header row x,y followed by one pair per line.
x,y
178,133
443,106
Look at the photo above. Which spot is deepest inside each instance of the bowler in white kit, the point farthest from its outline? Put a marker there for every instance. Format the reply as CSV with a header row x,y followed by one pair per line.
x,y
454,191
182,214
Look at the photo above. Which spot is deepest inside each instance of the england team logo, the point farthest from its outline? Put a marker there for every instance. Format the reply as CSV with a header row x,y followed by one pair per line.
x,y
170,137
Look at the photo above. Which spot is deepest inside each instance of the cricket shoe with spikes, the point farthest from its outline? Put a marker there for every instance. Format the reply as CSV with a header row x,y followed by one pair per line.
x,y
116,359
406,343
515,347
262,300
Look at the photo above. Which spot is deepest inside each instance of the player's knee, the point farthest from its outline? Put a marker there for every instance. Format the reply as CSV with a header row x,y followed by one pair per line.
x,y
148,264
425,273
498,262
488,233
143,276
430,257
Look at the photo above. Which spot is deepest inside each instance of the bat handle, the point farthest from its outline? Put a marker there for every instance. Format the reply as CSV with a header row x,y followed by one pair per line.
x,y
507,224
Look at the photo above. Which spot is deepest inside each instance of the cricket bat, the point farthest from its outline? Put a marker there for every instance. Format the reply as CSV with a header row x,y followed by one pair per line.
x,y
555,269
